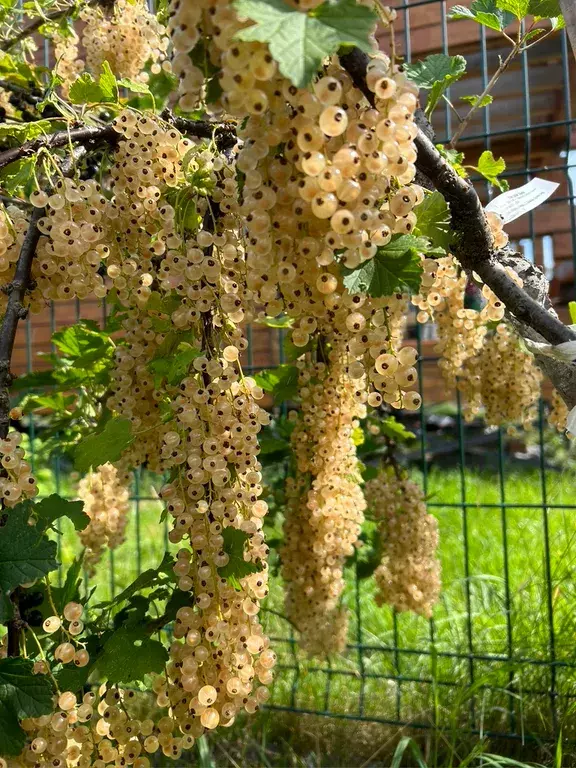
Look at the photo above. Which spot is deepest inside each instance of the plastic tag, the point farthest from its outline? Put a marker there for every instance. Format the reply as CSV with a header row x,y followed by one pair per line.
x,y
516,202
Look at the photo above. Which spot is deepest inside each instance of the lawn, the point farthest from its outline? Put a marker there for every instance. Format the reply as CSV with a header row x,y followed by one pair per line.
x,y
482,664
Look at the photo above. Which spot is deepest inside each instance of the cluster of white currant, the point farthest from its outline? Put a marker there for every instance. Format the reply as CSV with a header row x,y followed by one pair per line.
x,y
558,413
13,227
319,201
97,729
71,649
68,63
147,164
408,577
461,331
106,502
221,660
208,437
17,482
128,38
69,255
503,378
326,504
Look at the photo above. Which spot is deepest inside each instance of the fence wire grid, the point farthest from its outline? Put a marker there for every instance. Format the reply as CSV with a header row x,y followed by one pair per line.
x,y
498,640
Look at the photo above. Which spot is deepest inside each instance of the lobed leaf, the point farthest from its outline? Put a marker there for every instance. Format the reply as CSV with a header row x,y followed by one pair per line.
x,y
396,267
300,41
128,655
26,554
53,507
27,694
485,12
433,220
107,445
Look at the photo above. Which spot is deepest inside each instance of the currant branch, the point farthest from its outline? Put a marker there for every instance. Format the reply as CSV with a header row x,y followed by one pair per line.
x,y
16,311
93,136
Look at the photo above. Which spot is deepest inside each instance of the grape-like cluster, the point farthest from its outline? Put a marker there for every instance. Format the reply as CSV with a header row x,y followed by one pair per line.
x,y
128,38
326,504
503,378
68,63
69,255
97,729
190,278
17,482
106,502
461,330
319,201
13,227
408,577
558,412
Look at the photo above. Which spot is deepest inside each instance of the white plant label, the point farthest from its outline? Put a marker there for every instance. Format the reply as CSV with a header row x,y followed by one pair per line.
x,y
516,202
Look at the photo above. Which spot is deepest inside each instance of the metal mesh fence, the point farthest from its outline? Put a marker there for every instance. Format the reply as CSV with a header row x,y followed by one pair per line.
x,y
497,658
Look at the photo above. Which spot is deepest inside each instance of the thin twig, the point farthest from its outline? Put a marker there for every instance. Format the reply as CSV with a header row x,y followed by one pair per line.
x,y
223,133
486,92
86,134
34,26
16,311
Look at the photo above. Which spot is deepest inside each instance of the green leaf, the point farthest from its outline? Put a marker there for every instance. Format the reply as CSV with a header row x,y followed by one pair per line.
x,y
34,380
70,590
281,381
107,83
276,322
557,23
128,655
478,102
26,554
396,267
433,220
71,678
21,132
392,428
54,507
485,12
298,41
133,85
84,344
490,168
85,90
236,567
27,694
18,174
435,68
572,310
436,73
12,736
518,8
149,578
455,159
107,445
175,367
544,9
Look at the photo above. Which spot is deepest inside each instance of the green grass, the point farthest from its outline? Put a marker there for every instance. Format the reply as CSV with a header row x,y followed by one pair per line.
x,y
409,674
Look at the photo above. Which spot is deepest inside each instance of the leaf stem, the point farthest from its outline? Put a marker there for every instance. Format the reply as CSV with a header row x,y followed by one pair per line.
x,y
43,657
